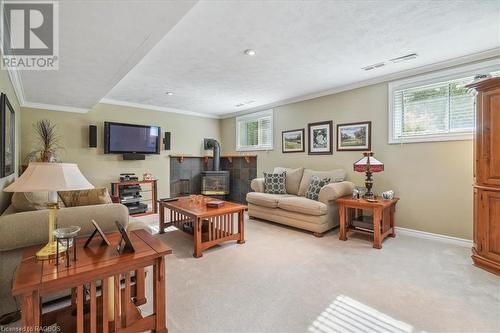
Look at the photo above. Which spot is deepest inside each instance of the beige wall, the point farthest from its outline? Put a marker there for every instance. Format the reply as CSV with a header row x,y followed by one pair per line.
x,y
7,88
433,179
100,169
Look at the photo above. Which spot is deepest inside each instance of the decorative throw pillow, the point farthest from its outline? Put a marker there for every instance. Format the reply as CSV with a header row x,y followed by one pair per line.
x,y
315,186
29,201
96,196
275,183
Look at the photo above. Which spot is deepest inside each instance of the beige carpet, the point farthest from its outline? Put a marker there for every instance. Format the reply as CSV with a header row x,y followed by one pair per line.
x,y
285,280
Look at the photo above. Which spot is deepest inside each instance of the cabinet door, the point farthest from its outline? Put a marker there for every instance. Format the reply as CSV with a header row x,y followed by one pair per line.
x,y
488,225
488,139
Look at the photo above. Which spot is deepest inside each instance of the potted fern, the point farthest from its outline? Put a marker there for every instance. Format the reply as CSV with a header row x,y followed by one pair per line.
x,y
47,141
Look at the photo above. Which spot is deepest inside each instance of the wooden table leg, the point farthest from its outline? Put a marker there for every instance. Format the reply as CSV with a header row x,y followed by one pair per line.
x,y
197,238
30,311
343,225
241,227
159,295
391,216
162,218
377,217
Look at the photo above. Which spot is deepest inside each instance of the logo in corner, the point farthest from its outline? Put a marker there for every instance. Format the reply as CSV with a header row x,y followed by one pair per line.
x,y
30,35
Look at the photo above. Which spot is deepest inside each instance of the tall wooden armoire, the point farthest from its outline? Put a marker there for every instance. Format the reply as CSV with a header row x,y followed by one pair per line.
x,y
486,250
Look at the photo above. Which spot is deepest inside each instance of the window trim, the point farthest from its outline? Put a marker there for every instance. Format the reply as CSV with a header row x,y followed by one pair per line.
x,y
435,77
254,115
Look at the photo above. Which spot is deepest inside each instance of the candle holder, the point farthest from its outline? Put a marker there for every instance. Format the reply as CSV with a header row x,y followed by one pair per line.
x,y
66,235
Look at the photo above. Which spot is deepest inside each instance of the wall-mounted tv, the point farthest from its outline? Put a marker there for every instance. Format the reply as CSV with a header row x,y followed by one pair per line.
x,y
130,138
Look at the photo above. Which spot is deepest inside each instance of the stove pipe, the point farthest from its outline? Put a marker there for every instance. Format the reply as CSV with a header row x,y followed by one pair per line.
x,y
215,146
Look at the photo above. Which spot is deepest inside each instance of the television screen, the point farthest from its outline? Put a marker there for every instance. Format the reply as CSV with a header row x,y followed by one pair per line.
x,y
129,138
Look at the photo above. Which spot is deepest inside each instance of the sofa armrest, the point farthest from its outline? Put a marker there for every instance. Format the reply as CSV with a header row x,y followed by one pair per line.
x,y
333,191
257,185
24,229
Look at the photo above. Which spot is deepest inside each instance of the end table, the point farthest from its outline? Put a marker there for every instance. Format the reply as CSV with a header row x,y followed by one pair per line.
x,y
351,210
103,268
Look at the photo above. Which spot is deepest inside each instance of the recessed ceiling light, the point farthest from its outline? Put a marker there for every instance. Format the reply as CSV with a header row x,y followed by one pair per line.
x,y
250,52
169,93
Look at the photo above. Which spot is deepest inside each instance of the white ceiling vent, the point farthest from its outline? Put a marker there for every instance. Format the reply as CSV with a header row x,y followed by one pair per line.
x,y
370,67
393,61
404,58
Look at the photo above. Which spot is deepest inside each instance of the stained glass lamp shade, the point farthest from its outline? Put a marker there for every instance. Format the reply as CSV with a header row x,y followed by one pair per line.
x,y
369,165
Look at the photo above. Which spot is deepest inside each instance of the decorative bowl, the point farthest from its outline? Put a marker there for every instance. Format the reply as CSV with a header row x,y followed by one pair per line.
x,y
68,232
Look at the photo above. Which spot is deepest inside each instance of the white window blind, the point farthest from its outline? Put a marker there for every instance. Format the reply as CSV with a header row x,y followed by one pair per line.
x,y
433,110
255,131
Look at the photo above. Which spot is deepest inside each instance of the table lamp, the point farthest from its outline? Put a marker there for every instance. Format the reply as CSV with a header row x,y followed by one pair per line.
x,y
50,177
368,164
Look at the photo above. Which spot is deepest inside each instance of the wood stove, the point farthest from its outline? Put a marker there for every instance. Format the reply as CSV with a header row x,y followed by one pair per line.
x,y
214,182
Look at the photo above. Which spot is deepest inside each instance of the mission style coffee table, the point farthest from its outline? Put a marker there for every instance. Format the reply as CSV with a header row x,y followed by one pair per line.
x,y
209,226
101,283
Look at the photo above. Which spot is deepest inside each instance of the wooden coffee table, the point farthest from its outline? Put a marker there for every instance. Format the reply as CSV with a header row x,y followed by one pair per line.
x,y
107,274
209,226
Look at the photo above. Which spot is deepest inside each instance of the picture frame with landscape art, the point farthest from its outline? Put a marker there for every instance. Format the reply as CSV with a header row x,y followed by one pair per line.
x,y
293,141
354,136
320,138
7,137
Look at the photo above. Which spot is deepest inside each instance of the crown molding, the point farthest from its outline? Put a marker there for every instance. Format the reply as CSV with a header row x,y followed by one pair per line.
x,y
485,55
156,108
54,107
17,83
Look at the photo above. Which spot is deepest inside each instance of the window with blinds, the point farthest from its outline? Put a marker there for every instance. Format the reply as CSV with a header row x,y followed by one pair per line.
x,y
436,110
255,131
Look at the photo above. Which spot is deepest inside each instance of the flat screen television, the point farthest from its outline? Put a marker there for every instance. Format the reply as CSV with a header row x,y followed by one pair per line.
x,y
131,139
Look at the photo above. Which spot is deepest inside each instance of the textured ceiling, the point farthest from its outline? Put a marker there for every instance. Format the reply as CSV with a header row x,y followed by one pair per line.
x,y
99,42
303,47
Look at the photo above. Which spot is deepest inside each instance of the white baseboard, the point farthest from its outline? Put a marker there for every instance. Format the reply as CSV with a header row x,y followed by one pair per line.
x,y
437,237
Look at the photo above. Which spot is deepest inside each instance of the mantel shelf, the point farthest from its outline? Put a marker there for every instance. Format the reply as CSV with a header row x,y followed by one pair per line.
x,y
180,157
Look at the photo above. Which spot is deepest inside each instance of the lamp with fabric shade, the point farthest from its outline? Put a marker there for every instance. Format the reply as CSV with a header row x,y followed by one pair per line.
x,y
370,165
50,177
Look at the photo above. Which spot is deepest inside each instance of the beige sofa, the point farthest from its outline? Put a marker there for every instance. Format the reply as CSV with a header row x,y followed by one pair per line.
x,y
19,230
293,208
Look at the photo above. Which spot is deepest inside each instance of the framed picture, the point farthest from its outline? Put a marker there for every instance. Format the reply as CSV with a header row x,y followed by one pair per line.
x,y
354,136
293,141
7,137
320,138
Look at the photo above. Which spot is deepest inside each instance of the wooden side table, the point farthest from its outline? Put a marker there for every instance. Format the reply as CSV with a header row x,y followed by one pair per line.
x,y
383,217
101,268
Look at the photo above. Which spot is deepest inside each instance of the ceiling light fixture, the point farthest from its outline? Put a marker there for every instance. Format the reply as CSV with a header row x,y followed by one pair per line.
x,y
250,52
169,93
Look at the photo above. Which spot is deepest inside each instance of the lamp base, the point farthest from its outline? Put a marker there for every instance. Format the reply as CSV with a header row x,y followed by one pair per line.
x,y
49,251
369,195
